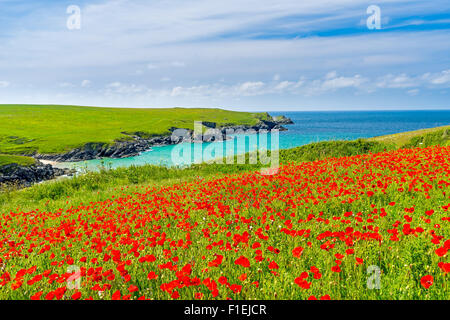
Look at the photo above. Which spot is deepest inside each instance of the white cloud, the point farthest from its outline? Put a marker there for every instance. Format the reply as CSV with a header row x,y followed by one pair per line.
x,y
66,85
429,80
343,82
198,43
121,88
397,81
85,83
331,75
330,82
250,88
4,84
177,64
283,85
440,78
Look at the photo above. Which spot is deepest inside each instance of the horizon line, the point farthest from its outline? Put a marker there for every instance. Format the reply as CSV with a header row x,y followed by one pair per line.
x,y
244,109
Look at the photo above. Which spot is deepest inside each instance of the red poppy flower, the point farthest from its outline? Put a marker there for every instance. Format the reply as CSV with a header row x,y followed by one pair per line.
x,y
427,281
223,280
336,269
242,261
236,288
297,252
133,288
36,296
198,295
216,262
444,266
116,295
76,295
441,251
243,277
302,283
152,275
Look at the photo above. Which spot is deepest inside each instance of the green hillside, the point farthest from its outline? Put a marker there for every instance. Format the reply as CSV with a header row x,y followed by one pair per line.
x,y
26,129
418,138
6,159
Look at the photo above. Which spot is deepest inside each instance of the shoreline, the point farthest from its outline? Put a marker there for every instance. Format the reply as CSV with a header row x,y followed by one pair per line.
x,y
50,167
136,145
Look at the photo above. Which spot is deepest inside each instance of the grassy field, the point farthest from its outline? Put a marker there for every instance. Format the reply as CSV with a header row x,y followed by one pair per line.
x,y
6,159
56,129
211,231
418,138
316,230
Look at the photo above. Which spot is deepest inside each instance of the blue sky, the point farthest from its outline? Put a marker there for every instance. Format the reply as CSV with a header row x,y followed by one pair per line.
x,y
241,55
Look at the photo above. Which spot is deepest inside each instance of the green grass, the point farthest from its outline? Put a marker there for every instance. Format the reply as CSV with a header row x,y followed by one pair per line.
x,y
328,149
6,159
27,129
432,136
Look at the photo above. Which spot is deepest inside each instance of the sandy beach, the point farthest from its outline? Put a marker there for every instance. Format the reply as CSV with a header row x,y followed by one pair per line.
x,y
53,163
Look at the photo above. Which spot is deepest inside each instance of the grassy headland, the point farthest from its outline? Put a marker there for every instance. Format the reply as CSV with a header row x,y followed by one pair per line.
x,y
27,129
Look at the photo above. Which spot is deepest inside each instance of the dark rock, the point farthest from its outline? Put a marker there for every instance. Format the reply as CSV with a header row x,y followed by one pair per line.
x,y
23,176
212,125
282,120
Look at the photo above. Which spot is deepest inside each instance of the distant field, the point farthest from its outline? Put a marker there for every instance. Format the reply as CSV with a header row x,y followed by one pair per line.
x,y
55,129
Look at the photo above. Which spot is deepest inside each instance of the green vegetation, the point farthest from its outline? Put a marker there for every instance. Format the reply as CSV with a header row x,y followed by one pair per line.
x,y
6,159
332,149
27,129
71,210
440,137
432,136
341,228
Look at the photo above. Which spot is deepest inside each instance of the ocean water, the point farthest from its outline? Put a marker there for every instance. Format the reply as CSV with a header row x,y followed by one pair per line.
x,y
308,127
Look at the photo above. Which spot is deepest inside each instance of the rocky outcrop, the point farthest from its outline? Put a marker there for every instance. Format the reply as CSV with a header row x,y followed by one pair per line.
x,y
282,120
23,176
137,143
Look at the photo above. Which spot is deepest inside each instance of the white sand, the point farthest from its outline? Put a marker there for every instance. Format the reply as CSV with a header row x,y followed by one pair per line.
x,y
53,163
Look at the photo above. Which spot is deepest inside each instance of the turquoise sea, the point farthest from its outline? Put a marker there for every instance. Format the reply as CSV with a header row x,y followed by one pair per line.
x,y
308,127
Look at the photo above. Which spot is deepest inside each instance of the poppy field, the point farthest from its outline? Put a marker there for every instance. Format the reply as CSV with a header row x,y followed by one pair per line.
x,y
373,226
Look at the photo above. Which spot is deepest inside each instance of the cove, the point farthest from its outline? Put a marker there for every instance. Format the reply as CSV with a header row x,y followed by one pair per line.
x,y
308,127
